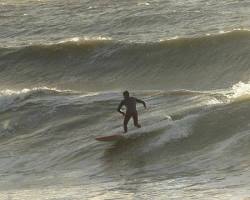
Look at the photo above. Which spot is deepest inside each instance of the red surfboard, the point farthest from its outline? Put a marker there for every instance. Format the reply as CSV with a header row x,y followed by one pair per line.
x,y
109,138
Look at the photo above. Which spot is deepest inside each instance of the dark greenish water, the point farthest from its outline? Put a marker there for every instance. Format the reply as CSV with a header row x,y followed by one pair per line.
x,y
63,67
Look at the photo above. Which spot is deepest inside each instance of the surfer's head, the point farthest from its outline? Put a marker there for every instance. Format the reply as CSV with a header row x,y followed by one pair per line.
x,y
126,94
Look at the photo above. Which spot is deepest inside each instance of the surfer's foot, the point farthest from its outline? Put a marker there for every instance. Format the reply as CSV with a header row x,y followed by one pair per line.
x,y
125,128
138,126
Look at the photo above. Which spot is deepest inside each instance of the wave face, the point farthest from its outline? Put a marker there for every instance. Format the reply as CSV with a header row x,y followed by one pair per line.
x,y
215,61
47,138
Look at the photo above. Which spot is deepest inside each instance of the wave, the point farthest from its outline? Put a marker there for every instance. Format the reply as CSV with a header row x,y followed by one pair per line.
x,y
199,136
239,92
188,127
11,98
214,61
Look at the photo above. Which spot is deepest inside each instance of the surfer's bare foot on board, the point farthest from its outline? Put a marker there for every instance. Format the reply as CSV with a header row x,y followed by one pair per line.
x,y
138,126
125,130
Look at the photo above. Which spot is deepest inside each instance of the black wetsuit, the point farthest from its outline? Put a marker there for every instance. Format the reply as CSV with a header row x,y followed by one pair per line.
x,y
130,104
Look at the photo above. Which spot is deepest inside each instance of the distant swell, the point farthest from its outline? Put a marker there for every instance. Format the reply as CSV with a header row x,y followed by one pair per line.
x,y
207,62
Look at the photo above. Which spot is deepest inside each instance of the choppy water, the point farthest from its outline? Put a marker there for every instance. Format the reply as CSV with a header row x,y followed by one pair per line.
x,y
63,67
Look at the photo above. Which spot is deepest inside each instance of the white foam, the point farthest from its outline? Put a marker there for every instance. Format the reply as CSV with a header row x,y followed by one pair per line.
x,y
146,129
143,3
85,38
239,91
179,129
241,29
171,38
169,130
9,92
8,96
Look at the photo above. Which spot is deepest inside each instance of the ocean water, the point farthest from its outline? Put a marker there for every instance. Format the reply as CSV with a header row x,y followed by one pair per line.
x,y
63,68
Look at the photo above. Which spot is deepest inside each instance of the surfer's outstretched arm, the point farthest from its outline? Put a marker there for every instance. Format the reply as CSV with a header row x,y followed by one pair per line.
x,y
119,108
142,102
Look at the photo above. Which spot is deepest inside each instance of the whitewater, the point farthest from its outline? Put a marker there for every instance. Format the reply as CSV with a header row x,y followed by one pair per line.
x,y
63,68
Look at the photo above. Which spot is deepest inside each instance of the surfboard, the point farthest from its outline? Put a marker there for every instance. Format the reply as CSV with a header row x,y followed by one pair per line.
x,y
110,138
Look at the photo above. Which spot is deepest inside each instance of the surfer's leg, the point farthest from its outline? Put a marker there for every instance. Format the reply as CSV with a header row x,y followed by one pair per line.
x,y
125,122
135,118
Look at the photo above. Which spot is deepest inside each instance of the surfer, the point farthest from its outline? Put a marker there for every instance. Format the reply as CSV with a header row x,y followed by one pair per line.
x,y
130,104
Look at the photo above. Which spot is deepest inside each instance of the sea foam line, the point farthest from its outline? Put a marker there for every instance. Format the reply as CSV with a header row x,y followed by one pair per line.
x,y
9,92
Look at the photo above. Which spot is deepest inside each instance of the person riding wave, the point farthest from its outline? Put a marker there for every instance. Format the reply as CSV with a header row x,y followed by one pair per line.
x,y
130,104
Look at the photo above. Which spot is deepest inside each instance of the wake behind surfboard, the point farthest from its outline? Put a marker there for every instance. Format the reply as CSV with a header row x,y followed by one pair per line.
x,y
109,138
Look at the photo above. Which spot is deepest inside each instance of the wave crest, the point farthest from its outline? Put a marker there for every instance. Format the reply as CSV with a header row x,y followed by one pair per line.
x,y
215,61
